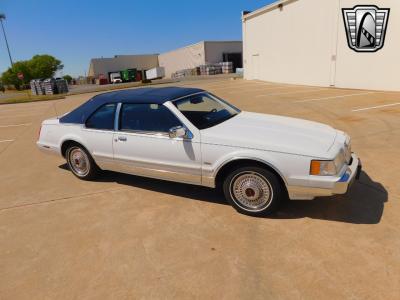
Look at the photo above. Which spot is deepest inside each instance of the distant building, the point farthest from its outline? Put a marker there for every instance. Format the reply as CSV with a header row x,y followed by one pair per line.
x,y
102,67
307,42
204,52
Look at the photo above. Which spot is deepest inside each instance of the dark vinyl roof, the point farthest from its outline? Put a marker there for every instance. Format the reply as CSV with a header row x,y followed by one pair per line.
x,y
146,95
139,96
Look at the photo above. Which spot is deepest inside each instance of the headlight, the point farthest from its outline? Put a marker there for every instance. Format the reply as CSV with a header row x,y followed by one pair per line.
x,y
323,167
347,151
340,160
327,167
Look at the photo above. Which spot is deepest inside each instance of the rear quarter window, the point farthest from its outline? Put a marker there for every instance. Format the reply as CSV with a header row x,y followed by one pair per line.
x,y
102,118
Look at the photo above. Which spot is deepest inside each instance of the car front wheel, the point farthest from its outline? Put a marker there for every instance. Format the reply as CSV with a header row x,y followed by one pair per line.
x,y
81,163
253,191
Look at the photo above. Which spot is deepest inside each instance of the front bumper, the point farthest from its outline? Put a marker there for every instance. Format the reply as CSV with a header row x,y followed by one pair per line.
x,y
350,175
320,186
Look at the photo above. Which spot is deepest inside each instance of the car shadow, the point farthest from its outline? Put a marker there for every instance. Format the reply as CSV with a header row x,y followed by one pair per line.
x,y
191,192
363,204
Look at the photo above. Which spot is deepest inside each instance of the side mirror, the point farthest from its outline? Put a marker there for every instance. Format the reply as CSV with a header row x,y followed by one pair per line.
x,y
179,132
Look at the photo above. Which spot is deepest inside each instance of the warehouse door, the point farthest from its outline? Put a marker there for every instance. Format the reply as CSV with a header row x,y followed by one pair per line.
x,y
235,58
255,66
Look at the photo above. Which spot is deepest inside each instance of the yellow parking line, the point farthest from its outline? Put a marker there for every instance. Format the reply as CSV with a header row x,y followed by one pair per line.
x,y
7,141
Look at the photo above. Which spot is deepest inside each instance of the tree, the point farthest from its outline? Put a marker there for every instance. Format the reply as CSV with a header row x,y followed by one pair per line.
x,y
44,66
10,76
68,78
38,67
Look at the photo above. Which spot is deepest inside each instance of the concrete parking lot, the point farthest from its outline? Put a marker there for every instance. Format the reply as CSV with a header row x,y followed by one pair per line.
x,y
125,237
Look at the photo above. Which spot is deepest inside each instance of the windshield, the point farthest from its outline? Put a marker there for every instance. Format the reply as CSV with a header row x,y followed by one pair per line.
x,y
205,110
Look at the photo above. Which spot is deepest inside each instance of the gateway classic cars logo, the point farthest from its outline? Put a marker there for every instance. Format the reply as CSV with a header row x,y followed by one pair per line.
x,y
366,27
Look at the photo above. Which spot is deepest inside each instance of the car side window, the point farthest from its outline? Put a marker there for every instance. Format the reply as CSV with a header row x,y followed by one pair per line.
x,y
147,118
102,118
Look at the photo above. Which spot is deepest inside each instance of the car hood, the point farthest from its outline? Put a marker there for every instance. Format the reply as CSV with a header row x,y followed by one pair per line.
x,y
272,133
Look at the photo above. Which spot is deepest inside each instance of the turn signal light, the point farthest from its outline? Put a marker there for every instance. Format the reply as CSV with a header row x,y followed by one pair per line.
x,y
315,167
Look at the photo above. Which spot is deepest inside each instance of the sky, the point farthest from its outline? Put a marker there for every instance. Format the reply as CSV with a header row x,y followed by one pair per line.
x,y
75,31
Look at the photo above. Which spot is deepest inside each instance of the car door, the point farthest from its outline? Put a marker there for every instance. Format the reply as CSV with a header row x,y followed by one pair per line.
x,y
143,147
98,133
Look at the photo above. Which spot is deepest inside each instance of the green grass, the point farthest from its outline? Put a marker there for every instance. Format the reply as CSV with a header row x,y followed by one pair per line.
x,y
25,98
15,92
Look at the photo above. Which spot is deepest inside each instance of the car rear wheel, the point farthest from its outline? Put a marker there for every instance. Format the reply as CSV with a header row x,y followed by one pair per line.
x,y
253,191
81,163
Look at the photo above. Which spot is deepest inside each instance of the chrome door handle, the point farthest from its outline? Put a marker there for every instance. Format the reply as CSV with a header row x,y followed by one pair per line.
x,y
122,138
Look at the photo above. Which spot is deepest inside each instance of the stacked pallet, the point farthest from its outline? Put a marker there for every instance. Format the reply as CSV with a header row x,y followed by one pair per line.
x,y
218,68
203,69
33,87
39,87
62,86
227,67
184,73
49,86
213,70
208,69
179,74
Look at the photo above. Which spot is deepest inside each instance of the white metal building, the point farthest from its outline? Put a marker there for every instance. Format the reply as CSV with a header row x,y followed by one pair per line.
x,y
104,66
305,42
204,52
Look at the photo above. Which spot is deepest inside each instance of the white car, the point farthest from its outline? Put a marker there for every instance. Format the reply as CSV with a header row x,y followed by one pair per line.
x,y
191,136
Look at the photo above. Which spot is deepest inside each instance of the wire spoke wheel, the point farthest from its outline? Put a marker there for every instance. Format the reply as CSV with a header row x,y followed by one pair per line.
x,y
251,191
79,162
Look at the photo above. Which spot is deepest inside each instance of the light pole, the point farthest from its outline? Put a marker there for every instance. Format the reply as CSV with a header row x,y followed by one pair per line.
x,y
3,17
